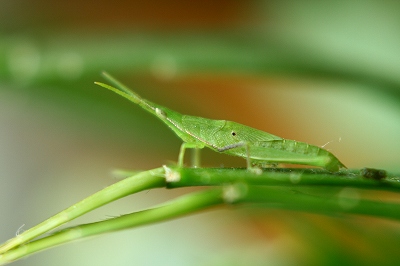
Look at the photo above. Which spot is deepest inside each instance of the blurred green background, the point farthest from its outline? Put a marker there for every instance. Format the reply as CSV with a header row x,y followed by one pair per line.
x,y
314,71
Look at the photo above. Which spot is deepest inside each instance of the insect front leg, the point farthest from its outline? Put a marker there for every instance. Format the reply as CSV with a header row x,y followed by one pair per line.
x,y
196,155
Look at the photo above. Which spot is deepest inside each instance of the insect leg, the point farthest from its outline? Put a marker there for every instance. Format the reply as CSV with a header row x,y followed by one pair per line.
x,y
196,157
248,162
187,145
239,145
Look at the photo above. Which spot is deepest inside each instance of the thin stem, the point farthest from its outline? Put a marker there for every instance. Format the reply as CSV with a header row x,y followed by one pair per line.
x,y
142,181
175,208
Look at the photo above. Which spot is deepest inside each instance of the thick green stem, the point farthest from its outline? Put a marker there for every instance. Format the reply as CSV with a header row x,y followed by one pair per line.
x,y
350,203
280,177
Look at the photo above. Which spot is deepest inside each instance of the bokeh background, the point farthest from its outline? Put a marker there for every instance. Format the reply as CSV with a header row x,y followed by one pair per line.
x,y
323,72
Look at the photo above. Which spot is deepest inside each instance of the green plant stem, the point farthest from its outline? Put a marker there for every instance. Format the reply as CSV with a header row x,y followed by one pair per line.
x,y
308,190
281,177
265,196
286,198
178,207
145,180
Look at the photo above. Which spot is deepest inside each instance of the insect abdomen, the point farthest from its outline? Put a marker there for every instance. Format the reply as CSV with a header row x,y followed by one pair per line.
x,y
293,146
300,153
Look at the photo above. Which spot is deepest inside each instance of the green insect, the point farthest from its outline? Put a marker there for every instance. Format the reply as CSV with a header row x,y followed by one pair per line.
x,y
257,147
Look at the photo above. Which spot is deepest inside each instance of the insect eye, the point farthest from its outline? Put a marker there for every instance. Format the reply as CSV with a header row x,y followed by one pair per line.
x,y
233,133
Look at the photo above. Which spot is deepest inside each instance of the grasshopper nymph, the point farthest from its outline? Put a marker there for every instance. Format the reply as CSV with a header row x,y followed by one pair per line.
x,y
256,146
